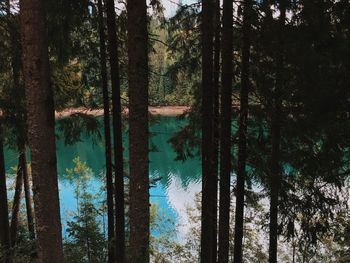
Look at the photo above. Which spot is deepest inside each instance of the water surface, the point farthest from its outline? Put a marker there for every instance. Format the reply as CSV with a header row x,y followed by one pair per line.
x,y
179,181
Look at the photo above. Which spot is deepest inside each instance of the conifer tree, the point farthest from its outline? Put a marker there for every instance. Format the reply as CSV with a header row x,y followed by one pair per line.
x,y
41,130
225,127
275,130
4,221
27,192
138,130
16,202
242,132
117,132
107,132
207,110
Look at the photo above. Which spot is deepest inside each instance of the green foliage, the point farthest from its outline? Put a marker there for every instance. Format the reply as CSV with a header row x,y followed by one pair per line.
x,y
315,117
25,250
86,241
164,227
68,86
187,248
169,82
313,146
73,127
79,176
314,113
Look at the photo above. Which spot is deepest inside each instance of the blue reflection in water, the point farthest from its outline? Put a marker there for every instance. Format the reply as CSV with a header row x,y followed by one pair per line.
x,y
91,151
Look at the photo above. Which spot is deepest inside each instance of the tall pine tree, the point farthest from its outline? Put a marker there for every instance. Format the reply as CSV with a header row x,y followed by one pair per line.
x,y
138,130
41,130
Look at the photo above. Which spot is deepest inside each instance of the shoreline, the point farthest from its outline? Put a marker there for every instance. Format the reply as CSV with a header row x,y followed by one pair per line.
x,y
153,110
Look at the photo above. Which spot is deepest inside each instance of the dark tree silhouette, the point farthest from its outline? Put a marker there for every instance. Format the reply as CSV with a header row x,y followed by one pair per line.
x,y
117,132
208,180
242,133
4,221
275,130
27,192
107,132
138,130
16,202
216,121
225,126
41,130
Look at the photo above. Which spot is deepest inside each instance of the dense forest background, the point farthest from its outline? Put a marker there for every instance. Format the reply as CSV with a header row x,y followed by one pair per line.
x,y
266,89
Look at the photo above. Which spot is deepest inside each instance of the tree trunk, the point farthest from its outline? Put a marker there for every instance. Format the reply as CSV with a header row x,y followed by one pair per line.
x,y
41,131
16,202
242,134
107,133
15,47
117,132
27,195
275,131
138,130
225,136
216,122
4,214
208,180
15,66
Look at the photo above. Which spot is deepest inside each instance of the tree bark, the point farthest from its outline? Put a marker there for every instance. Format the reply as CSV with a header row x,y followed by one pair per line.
x,y
138,130
41,131
275,130
242,133
16,202
15,48
4,214
225,136
27,195
107,133
117,132
216,122
208,180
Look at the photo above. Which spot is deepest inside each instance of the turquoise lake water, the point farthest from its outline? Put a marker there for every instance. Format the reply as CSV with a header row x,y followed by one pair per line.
x,y
173,192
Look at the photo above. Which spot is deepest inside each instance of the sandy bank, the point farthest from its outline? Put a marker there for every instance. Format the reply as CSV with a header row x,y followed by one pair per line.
x,y
159,110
